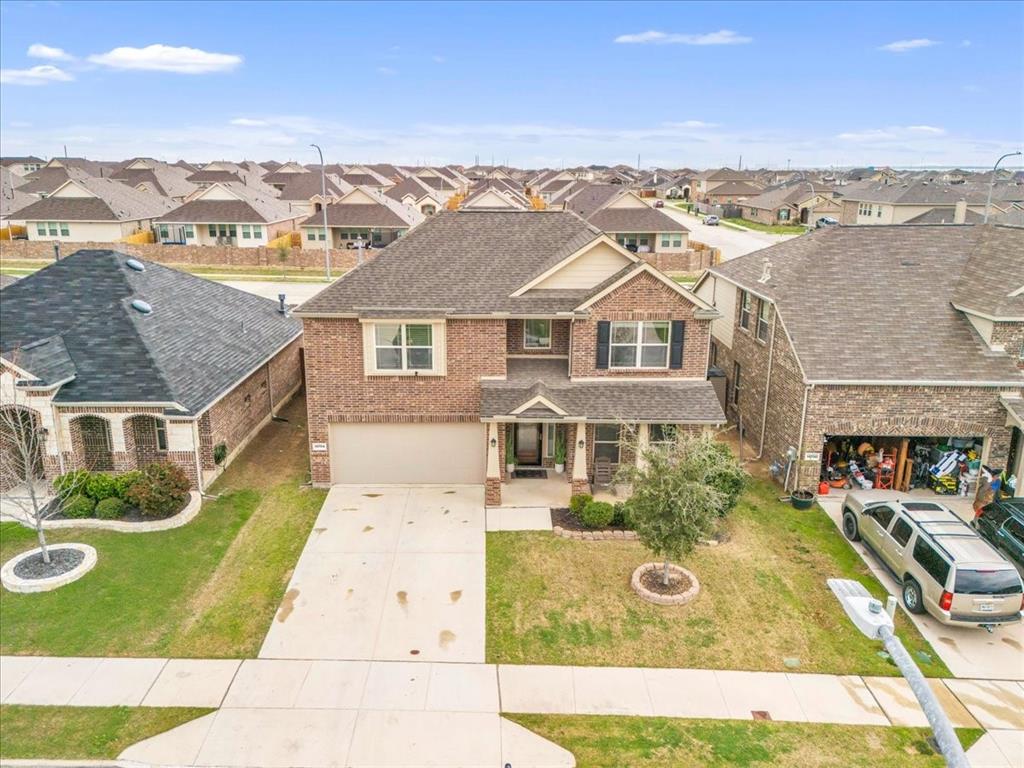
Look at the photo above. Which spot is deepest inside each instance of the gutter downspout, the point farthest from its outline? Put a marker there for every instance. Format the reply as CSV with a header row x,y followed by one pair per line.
x,y
195,453
768,384
800,442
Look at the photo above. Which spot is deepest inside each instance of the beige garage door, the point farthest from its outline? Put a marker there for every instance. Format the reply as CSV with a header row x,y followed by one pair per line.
x,y
408,453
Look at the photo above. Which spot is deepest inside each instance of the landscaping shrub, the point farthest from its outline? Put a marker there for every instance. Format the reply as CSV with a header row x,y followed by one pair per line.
x,y
220,452
578,502
78,506
623,517
597,514
100,486
71,483
125,481
161,491
111,508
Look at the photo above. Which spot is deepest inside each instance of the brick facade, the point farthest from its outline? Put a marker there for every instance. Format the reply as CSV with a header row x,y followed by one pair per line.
x,y
1011,336
218,255
559,339
644,297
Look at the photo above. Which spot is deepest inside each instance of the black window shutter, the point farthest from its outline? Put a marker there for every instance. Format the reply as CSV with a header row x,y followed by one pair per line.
x,y
604,332
675,357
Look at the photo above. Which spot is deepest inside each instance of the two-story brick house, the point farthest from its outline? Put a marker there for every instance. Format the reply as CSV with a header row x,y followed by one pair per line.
x,y
484,325
899,336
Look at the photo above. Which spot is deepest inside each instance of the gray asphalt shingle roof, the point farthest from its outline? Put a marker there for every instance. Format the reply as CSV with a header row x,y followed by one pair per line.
x,y
199,341
874,303
644,219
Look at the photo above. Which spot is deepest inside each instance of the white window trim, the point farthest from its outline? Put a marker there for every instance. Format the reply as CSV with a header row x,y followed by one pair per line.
x,y
550,439
159,425
438,356
536,346
639,345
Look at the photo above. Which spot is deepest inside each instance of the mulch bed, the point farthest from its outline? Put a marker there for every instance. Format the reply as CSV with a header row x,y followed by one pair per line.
x,y
61,561
677,583
564,518
131,515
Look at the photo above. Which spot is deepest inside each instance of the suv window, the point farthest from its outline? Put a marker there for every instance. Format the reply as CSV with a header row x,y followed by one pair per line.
x,y
883,515
901,532
1005,582
1015,529
931,561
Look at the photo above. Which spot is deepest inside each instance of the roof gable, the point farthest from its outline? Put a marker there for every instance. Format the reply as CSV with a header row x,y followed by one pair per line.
x,y
588,266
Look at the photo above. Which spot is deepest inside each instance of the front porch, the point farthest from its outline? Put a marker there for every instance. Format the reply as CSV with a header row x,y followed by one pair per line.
x,y
553,491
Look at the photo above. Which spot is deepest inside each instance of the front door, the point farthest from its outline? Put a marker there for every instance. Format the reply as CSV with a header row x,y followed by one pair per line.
x,y
528,437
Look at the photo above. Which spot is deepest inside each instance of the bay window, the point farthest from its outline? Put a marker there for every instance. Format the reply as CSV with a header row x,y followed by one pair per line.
x,y
639,344
537,334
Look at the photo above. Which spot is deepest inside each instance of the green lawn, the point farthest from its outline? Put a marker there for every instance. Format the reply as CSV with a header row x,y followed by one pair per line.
x,y
647,742
764,604
83,733
774,229
207,589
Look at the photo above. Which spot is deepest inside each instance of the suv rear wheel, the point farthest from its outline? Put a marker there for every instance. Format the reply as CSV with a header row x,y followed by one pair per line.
x,y
913,600
850,529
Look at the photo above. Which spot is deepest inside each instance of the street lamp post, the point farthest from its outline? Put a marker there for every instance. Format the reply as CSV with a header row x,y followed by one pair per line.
x,y
876,622
323,208
992,181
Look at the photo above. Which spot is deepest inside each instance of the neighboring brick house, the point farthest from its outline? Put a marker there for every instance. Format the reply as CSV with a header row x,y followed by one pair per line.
x,y
629,220
361,215
802,202
124,362
895,202
886,331
480,324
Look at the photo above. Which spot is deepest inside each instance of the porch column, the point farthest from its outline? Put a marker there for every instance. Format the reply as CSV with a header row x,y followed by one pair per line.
x,y
643,441
580,481
492,485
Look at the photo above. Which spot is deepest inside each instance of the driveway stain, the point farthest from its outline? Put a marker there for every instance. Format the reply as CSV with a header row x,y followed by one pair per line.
x,y
950,642
1012,643
857,694
367,528
372,495
447,493
287,605
1007,712
446,638
403,598
349,592
318,531
456,595
414,652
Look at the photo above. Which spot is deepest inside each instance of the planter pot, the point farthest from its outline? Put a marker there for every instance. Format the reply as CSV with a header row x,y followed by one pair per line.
x,y
801,499
559,468
510,468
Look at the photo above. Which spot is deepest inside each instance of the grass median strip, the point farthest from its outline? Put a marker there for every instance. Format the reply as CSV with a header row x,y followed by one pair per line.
x,y
764,604
83,733
647,742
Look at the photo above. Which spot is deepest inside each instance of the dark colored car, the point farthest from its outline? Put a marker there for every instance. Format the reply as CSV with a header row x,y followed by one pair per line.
x,y
659,204
1001,524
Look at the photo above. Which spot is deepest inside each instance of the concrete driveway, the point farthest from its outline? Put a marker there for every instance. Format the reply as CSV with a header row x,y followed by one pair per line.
x,y
967,652
731,242
388,573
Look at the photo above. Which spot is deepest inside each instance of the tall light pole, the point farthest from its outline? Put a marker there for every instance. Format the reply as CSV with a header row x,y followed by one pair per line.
x,y
323,208
992,181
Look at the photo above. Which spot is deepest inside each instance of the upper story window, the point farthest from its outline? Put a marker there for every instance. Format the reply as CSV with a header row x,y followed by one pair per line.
x,y
404,347
762,320
537,334
744,310
639,344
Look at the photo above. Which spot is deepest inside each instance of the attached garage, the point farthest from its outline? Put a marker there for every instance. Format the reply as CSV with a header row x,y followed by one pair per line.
x,y
408,453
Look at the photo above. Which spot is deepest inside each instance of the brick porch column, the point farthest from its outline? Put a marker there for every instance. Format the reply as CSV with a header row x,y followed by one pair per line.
x,y
492,485
580,481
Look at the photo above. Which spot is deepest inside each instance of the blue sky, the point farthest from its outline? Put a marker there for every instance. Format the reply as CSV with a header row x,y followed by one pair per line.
x,y
694,84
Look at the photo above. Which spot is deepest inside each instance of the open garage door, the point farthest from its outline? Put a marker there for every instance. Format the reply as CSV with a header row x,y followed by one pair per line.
x,y
408,453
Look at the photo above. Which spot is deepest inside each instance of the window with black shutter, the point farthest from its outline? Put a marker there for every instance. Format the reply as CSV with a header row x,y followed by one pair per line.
x,y
604,329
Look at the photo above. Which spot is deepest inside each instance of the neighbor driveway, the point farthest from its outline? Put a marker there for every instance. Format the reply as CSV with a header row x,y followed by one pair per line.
x,y
731,242
968,652
389,573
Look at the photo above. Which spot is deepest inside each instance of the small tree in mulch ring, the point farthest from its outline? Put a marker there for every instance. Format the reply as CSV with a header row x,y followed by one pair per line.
x,y
680,490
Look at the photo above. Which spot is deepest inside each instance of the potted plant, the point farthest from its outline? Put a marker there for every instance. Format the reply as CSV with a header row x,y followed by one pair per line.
x,y
560,453
510,454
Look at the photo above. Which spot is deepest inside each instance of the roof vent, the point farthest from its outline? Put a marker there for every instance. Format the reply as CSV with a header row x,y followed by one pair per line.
x,y
135,264
142,306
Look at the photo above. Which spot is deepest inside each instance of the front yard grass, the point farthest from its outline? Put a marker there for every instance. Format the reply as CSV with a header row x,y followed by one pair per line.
x,y
647,742
772,229
83,733
763,605
207,589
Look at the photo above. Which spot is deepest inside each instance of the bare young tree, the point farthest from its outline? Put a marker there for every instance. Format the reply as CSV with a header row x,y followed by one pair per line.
x,y
22,446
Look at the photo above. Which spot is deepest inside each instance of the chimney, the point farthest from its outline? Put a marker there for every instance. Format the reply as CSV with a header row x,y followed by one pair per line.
x,y
960,212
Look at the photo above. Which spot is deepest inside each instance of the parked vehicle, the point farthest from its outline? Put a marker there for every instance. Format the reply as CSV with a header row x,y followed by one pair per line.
x,y
943,565
659,203
825,221
1001,524
711,221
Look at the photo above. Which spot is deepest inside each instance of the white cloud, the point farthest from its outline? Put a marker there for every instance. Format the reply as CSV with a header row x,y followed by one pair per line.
x,y
40,75
40,51
654,37
926,129
248,122
892,133
166,58
902,46
389,71
691,124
